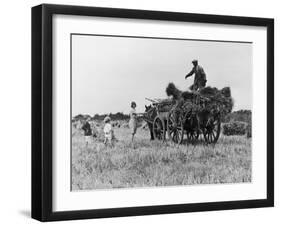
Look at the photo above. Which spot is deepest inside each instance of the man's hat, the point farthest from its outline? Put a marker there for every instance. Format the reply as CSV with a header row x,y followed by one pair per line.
x,y
133,103
195,61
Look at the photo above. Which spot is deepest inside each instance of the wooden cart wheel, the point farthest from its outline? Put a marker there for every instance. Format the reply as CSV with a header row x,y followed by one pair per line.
x,y
175,130
158,129
192,128
212,130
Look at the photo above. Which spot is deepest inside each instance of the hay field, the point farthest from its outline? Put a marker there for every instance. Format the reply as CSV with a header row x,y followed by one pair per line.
x,y
154,163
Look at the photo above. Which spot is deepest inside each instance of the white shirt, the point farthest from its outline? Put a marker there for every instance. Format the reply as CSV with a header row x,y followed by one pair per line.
x,y
107,128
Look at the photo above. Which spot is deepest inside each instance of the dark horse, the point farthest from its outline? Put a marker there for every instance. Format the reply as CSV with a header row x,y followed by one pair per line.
x,y
149,116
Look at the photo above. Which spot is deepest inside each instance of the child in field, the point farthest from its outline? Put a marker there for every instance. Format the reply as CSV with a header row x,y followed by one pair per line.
x,y
108,131
87,131
133,120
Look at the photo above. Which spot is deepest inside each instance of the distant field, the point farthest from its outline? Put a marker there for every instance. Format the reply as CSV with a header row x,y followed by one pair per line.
x,y
154,163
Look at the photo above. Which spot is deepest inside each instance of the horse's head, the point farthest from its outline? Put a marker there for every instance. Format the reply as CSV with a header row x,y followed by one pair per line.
x,y
150,113
147,107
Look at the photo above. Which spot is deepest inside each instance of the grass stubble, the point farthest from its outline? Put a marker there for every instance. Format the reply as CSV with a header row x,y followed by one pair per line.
x,y
156,163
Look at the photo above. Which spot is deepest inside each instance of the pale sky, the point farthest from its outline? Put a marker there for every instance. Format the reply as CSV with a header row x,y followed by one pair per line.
x,y
110,72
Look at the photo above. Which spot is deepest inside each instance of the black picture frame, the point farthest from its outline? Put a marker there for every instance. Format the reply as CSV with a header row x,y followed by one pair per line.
x,y
42,107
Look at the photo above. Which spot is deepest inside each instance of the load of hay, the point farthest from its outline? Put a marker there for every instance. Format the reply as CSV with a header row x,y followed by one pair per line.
x,y
218,98
208,98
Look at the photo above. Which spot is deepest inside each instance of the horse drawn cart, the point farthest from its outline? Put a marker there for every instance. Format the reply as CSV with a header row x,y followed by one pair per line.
x,y
190,116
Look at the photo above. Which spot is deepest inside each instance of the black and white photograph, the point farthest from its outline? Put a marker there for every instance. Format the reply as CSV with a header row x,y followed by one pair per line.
x,y
143,112
156,111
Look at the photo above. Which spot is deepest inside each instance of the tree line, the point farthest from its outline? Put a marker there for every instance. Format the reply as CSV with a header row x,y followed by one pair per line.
x,y
100,117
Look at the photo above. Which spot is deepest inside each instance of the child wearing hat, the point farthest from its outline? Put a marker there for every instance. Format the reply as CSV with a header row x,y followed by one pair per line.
x,y
133,119
108,131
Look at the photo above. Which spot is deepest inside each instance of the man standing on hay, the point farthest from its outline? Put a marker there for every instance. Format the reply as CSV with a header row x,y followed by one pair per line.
x,y
200,76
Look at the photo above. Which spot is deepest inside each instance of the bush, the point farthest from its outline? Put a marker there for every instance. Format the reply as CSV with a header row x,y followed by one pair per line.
x,y
234,128
241,116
